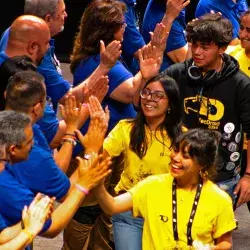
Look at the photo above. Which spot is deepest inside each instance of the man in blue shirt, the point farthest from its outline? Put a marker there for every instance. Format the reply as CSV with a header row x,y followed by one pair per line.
x,y
20,181
231,9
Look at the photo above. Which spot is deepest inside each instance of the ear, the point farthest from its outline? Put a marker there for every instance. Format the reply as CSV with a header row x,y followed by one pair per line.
x,y
12,150
222,49
32,48
36,109
47,19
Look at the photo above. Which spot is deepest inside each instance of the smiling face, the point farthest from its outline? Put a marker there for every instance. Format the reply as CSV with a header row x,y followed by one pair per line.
x,y
244,32
183,166
153,108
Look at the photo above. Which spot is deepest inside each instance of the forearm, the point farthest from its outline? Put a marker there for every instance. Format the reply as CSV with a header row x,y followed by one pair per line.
x,y
10,233
105,200
64,213
19,242
139,83
56,142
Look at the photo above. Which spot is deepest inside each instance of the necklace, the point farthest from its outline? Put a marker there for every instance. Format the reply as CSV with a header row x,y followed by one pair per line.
x,y
192,214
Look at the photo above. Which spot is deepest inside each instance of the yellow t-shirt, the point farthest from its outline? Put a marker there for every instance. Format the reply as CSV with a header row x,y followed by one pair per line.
x,y
156,160
239,54
152,200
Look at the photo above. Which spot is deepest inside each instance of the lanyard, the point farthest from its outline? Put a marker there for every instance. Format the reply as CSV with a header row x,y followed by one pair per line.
x,y
191,218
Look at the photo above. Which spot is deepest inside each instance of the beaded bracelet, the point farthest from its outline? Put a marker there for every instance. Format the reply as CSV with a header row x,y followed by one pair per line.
x,y
69,140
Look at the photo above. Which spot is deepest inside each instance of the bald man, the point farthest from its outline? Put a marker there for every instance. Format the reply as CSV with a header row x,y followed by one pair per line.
x,y
29,35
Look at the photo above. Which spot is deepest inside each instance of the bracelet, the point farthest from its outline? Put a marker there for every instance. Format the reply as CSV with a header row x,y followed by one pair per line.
x,y
69,134
82,189
69,140
247,173
29,234
86,157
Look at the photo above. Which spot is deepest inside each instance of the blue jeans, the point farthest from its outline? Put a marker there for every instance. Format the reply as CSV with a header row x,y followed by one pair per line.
x,y
127,231
229,186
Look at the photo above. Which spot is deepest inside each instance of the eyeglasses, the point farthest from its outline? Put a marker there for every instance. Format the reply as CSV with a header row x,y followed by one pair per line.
x,y
154,95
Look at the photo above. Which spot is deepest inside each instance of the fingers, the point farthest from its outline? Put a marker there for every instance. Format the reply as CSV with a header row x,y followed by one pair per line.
x,y
102,46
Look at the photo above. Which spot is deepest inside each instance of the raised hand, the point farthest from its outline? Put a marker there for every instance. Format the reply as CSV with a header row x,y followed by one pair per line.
x,y
110,54
174,7
93,171
93,139
159,39
37,213
149,62
70,112
98,89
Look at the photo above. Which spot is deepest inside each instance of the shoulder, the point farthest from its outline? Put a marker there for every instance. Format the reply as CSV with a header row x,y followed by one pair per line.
x,y
212,190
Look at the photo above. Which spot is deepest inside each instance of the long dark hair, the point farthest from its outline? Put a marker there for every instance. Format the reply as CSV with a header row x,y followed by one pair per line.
x,y
100,21
171,124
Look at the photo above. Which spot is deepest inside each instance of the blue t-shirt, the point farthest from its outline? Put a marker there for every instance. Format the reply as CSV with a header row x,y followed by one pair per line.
x,y
132,39
117,75
2,223
228,9
49,68
14,196
49,123
154,13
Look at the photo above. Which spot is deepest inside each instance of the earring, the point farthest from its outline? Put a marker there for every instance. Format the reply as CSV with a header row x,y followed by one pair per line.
x,y
168,111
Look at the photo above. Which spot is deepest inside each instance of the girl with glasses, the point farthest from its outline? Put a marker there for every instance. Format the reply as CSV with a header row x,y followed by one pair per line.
x,y
146,143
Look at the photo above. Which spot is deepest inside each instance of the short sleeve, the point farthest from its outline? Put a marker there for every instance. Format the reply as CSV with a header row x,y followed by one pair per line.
x,y
2,223
225,220
176,39
114,143
41,174
117,75
139,194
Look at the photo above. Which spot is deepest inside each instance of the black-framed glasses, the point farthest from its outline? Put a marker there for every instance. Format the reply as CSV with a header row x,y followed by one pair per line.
x,y
154,95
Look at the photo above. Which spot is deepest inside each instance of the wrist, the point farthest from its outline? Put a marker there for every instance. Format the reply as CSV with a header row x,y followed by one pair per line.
x,y
28,234
82,188
104,68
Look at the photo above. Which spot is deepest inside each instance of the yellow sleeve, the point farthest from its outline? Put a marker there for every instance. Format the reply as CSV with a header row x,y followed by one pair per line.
x,y
115,142
225,221
139,194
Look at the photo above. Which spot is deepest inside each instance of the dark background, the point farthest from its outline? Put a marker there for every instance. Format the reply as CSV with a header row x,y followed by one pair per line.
x,y
74,8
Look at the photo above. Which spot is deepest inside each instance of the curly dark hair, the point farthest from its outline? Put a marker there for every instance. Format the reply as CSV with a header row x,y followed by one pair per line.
x,y
100,21
172,122
210,28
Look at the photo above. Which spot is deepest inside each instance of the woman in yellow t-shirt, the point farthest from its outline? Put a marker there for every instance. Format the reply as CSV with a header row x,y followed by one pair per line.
x,y
145,143
183,209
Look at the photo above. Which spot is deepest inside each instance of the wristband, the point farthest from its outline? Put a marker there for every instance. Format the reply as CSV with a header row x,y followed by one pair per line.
x,y
86,157
29,234
247,173
82,189
69,140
